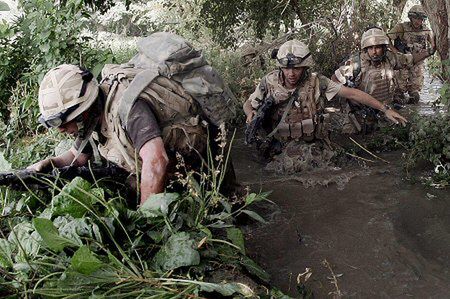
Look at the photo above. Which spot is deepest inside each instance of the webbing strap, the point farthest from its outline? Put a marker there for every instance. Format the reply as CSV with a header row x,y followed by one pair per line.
x,y
81,148
83,144
294,97
139,83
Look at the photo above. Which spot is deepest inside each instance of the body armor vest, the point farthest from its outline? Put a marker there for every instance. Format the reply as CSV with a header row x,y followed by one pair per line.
x,y
379,81
415,40
302,120
175,110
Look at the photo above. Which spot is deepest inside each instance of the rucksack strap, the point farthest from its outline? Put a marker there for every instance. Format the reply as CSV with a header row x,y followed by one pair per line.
x,y
139,83
357,69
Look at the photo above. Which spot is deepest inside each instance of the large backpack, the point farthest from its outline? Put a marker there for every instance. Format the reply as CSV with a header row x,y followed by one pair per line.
x,y
169,55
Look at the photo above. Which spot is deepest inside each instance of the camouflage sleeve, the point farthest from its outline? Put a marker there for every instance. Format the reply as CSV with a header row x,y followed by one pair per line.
x,y
345,72
403,61
430,34
395,32
257,96
328,88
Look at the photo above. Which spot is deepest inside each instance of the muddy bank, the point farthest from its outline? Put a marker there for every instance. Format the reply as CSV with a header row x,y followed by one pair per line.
x,y
387,237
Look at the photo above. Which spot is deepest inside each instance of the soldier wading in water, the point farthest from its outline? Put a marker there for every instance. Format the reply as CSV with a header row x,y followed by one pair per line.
x,y
373,71
296,125
412,37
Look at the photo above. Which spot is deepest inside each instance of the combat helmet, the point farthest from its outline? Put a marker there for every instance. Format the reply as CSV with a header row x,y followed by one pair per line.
x,y
65,93
373,37
417,12
294,53
248,50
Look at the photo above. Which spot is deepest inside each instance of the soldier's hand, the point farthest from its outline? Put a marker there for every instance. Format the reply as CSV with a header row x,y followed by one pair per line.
x,y
40,166
395,117
250,117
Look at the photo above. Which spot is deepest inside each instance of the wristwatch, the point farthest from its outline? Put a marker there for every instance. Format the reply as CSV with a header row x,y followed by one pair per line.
x,y
385,108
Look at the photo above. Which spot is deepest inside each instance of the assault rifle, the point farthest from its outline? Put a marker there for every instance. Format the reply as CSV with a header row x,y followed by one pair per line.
x,y
23,179
257,121
401,46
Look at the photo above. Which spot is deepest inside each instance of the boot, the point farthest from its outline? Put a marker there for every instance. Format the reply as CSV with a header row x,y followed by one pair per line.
x,y
414,97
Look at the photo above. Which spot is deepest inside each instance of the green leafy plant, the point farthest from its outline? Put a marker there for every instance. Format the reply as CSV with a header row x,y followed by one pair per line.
x,y
85,241
45,35
430,141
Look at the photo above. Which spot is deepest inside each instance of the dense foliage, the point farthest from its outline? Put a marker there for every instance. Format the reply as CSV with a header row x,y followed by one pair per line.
x,y
44,36
84,240
430,141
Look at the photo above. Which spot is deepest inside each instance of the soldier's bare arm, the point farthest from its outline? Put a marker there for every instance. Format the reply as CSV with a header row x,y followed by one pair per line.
x,y
366,99
154,167
248,110
65,159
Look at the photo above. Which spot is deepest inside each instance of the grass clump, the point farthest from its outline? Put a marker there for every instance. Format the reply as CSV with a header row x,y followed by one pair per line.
x,y
83,240
430,142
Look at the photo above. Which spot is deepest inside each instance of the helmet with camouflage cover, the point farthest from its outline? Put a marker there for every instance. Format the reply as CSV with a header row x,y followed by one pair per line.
x,y
248,50
374,37
65,93
294,53
417,12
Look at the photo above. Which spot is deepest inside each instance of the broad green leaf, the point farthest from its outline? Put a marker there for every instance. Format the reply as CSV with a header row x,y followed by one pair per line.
x,y
250,198
228,289
158,204
85,262
26,241
75,228
72,200
4,165
236,237
73,279
254,215
254,269
6,250
50,234
4,6
156,236
179,251
22,267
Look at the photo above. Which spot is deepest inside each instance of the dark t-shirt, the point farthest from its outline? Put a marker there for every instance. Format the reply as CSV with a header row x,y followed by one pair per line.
x,y
142,127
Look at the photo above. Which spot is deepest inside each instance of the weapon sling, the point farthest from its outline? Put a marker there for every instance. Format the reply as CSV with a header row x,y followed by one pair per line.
x,y
294,97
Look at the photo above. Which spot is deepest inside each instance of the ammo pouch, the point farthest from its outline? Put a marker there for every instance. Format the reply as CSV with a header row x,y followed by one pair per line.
x,y
300,130
188,137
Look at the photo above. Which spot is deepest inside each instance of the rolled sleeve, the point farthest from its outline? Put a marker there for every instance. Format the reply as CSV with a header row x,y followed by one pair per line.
x,y
395,32
329,88
142,124
256,97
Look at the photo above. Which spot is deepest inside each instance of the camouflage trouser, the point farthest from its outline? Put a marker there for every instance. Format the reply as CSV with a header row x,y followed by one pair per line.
x,y
355,120
411,80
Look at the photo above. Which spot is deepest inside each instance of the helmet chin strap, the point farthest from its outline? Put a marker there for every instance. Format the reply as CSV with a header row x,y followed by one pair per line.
x,y
85,129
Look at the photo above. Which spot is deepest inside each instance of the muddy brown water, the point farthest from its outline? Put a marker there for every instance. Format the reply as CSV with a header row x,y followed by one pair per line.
x,y
383,236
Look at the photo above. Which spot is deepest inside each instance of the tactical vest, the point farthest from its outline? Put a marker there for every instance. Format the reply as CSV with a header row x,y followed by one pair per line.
x,y
304,119
379,81
415,40
177,114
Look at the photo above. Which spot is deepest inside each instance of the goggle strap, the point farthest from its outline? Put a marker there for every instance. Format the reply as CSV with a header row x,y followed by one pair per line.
x,y
87,77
